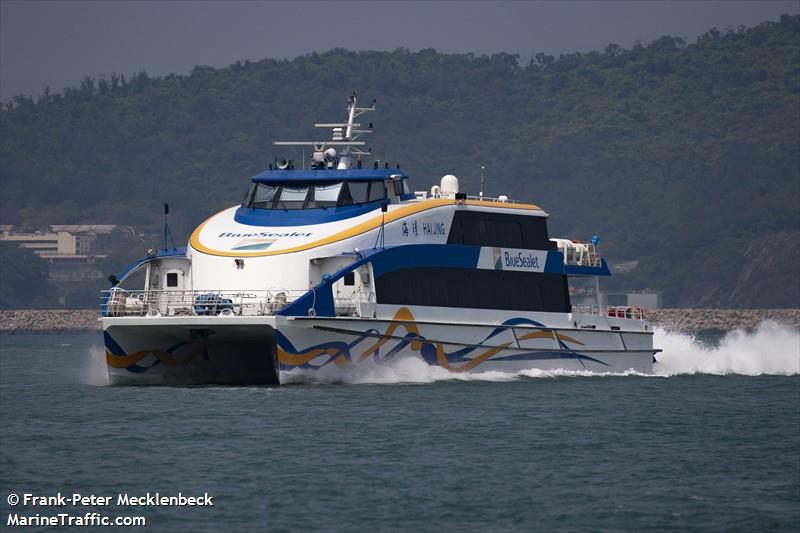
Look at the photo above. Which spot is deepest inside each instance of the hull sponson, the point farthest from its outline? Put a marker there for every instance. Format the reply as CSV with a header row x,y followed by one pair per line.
x,y
207,352
514,344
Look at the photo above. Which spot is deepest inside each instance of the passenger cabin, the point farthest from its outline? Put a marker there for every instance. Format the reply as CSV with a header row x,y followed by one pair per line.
x,y
465,286
427,275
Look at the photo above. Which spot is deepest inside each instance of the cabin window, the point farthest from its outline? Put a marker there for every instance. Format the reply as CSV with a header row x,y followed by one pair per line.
x,y
350,278
475,288
498,229
172,279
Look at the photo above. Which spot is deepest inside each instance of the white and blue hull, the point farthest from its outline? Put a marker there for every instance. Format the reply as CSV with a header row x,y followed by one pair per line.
x,y
508,345
251,350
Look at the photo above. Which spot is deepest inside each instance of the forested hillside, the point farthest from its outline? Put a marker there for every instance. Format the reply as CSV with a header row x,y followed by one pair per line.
x,y
684,156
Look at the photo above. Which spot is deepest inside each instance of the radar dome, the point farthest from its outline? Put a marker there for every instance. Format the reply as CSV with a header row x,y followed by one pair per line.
x,y
449,185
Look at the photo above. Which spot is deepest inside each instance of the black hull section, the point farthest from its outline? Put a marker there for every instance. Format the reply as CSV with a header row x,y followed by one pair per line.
x,y
191,354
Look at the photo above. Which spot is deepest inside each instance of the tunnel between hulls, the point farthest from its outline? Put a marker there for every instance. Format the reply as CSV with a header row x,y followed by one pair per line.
x,y
187,354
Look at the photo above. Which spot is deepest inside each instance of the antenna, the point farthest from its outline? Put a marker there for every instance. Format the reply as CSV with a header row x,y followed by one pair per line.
x,y
481,193
345,135
167,232
381,237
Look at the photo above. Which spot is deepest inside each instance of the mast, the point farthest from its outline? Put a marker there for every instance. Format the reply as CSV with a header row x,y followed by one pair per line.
x,y
344,158
351,133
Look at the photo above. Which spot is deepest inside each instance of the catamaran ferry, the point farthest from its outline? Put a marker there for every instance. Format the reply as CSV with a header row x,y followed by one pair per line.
x,y
335,265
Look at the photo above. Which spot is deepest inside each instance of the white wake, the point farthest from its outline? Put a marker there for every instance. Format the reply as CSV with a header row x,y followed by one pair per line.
x,y
408,370
93,369
771,349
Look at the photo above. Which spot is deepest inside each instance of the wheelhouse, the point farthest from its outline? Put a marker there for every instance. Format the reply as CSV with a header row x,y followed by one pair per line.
x,y
323,189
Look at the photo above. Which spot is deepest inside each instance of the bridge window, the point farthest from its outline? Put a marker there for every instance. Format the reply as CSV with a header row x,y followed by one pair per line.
x,y
263,195
377,191
313,195
358,191
292,197
325,195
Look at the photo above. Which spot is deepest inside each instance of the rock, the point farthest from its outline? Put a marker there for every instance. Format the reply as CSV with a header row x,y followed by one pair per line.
x,y
724,319
690,320
49,321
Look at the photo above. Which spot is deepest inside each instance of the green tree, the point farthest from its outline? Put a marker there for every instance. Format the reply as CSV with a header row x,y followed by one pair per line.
x,y
23,277
680,155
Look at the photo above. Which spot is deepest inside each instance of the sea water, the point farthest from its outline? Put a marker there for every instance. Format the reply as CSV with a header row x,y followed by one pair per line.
x,y
710,441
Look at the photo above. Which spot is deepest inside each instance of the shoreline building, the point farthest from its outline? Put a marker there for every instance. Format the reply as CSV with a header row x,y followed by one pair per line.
x,y
71,251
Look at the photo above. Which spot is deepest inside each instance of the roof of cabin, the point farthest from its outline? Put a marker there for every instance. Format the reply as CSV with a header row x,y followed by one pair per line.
x,y
359,174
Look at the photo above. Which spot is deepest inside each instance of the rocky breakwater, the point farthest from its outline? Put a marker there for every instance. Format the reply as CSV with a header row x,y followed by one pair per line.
x,y
49,321
80,321
691,320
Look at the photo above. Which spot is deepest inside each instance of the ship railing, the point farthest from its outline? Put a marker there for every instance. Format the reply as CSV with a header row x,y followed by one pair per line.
x,y
423,195
578,253
118,302
631,312
499,199
356,305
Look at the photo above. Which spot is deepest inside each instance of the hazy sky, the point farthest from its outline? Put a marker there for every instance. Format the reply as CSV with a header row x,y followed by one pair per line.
x,y
56,43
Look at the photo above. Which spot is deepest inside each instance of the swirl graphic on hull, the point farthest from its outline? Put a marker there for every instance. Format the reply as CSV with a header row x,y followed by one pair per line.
x,y
176,355
343,353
